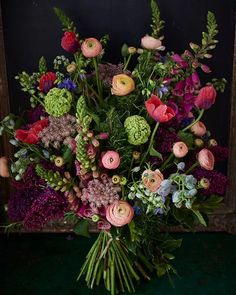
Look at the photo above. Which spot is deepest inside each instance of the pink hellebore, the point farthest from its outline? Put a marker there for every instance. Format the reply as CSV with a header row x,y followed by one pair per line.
x,y
157,110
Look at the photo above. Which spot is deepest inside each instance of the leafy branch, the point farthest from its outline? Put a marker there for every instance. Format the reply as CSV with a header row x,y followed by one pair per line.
x,y
157,24
67,23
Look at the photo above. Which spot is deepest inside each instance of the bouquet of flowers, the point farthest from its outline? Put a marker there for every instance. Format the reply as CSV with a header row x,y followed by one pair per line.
x,y
117,148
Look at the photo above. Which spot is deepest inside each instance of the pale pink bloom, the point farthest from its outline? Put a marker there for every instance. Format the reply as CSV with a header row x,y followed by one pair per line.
x,y
111,160
206,159
91,47
199,129
151,43
119,213
180,149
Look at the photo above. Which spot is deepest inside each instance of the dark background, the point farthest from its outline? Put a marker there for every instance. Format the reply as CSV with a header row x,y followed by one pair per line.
x,y
31,30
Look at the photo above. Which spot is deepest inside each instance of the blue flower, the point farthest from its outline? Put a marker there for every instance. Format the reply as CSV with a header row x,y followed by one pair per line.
x,y
158,211
162,91
176,197
137,210
67,84
190,181
181,166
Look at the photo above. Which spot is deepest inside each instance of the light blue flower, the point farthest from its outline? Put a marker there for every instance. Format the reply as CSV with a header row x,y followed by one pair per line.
x,y
176,197
192,192
181,166
190,181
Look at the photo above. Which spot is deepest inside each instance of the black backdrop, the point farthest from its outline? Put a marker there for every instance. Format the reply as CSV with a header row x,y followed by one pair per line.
x,y
31,30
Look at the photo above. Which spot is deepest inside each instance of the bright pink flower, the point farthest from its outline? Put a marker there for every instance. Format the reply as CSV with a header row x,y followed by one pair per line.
x,y
46,81
206,97
119,213
179,61
111,160
179,88
69,42
206,159
180,149
189,86
199,129
91,47
205,69
157,110
195,80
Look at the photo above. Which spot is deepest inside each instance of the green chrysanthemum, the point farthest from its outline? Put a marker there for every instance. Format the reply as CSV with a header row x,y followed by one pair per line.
x,y
58,102
137,129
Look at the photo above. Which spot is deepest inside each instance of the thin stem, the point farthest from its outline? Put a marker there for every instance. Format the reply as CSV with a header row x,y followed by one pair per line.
x,y
195,121
127,62
150,143
99,86
163,166
192,168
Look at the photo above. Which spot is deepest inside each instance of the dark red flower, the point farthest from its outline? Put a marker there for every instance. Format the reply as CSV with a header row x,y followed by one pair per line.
x,y
31,136
46,81
69,42
206,97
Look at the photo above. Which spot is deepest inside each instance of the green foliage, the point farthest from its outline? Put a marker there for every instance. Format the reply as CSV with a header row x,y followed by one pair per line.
x,y
82,228
13,227
42,65
219,84
209,204
66,22
104,40
187,138
157,24
70,217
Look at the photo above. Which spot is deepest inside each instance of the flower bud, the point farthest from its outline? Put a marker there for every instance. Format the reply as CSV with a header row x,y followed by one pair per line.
x,y
59,161
204,183
132,50
136,155
206,159
95,218
198,129
212,142
198,142
115,179
71,67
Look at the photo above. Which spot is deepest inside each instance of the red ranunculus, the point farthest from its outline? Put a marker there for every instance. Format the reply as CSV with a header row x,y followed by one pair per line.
x,y
206,97
46,81
157,110
69,42
31,136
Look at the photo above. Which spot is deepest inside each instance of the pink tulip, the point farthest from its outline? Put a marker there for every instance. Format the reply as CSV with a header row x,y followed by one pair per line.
x,y
150,43
152,179
4,170
180,149
206,159
206,97
199,129
119,213
157,110
111,160
91,47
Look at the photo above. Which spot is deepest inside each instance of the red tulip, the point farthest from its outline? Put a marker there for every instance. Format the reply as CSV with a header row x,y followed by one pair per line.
x,y
157,110
206,97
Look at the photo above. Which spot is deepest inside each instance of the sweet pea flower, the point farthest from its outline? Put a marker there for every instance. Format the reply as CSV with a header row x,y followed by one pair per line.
x,y
4,170
157,110
151,43
119,213
91,47
122,85
206,97
199,129
111,160
180,149
206,159
152,179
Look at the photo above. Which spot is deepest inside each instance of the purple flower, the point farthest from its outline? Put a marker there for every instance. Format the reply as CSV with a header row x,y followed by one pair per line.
x,y
67,84
179,60
162,91
179,88
196,80
189,86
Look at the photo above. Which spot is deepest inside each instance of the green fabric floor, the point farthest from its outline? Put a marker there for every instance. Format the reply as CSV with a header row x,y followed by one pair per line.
x,y
42,264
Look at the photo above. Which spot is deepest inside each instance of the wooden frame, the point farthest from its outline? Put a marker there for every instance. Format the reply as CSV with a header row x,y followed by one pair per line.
x,y
223,220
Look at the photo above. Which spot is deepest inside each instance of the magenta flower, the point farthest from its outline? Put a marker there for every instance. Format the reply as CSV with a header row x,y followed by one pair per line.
x,y
179,60
179,88
189,86
196,80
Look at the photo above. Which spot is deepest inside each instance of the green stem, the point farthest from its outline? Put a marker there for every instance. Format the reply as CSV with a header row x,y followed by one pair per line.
x,y
163,166
127,62
150,143
195,121
130,168
191,168
99,86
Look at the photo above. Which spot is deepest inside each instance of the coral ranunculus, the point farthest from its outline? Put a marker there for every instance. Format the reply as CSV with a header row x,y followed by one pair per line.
x,y
69,42
122,85
157,110
199,129
206,97
180,149
119,213
206,159
152,179
46,81
91,47
4,170
151,43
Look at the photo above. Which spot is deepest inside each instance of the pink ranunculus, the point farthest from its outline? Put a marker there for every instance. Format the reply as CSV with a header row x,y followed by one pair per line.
x,y
4,170
103,225
103,135
179,88
205,69
152,179
189,86
206,97
111,160
180,149
157,110
206,159
150,43
119,213
195,80
69,42
91,47
199,129
182,63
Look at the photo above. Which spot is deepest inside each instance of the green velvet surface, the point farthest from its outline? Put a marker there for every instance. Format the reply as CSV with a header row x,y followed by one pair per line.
x,y
41,264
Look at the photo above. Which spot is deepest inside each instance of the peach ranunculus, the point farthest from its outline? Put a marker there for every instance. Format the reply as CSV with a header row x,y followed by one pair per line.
x,y
158,110
4,170
152,179
206,159
180,149
119,213
122,85
199,129
91,47
148,42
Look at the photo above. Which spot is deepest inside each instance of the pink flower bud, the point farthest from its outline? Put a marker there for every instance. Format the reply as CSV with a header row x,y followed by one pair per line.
x,y
150,43
180,149
152,179
91,47
119,213
206,97
199,129
111,160
103,135
196,80
206,159
205,69
103,225
4,170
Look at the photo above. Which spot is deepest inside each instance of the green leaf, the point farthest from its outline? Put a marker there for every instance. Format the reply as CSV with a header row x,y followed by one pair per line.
x,y
187,138
155,153
200,217
171,245
66,22
132,230
67,155
42,65
161,270
82,228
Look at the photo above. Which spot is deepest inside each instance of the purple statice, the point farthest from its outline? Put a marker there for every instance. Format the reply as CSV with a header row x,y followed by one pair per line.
x,y
220,153
107,71
49,206
67,84
99,193
35,114
218,181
